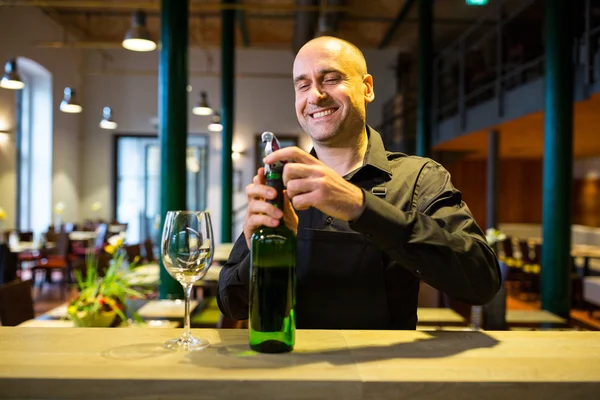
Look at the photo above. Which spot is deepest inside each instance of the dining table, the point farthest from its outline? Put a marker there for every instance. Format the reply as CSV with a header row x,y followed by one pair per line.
x,y
102,363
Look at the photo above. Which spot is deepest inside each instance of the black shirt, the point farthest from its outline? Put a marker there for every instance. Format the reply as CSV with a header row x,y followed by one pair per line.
x,y
364,274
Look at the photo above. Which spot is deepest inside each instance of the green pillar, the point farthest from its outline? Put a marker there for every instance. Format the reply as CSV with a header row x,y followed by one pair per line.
x,y
227,112
424,59
493,179
172,111
558,159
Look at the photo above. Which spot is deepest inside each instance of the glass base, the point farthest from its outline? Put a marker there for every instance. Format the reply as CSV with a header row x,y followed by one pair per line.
x,y
189,343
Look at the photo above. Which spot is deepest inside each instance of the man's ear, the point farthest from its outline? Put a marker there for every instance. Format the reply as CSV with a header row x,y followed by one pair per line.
x,y
368,85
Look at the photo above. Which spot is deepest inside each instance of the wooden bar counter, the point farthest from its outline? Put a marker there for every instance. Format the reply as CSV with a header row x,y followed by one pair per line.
x,y
130,363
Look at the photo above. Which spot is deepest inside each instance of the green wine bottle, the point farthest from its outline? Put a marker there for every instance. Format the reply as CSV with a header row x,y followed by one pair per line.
x,y
272,324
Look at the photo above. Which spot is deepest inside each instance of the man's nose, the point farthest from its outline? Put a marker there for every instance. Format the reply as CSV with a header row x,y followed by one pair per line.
x,y
316,94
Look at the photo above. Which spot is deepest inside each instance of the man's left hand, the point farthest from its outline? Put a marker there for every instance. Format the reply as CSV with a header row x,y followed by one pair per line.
x,y
310,183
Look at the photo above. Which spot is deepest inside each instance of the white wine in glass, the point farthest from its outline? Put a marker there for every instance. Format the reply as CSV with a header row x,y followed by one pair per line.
x,y
187,249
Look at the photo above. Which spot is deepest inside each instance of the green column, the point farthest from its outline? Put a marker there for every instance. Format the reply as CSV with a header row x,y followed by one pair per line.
x,y
172,111
558,159
227,112
493,179
424,59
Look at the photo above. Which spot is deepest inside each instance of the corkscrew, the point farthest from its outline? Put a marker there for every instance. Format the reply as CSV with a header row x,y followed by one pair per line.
x,y
271,145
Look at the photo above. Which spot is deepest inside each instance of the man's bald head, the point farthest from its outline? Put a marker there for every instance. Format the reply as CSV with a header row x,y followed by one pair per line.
x,y
332,89
340,47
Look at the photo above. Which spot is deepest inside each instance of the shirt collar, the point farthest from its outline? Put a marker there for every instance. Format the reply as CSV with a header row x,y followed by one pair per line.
x,y
375,156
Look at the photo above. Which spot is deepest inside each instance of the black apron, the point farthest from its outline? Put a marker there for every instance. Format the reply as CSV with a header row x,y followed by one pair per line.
x,y
340,277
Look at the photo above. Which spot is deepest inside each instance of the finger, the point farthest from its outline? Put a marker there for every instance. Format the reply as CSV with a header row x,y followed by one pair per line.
x,y
255,221
299,171
297,187
259,191
304,201
262,207
259,178
290,218
291,153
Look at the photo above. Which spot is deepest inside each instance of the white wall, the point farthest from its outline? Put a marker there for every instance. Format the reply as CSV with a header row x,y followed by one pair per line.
x,y
20,29
129,85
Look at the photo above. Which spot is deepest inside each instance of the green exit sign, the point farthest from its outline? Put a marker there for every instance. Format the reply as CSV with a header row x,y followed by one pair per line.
x,y
476,2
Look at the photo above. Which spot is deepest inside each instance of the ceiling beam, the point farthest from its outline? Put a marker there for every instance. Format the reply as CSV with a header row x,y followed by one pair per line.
x,y
92,5
387,38
241,20
305,24
75,31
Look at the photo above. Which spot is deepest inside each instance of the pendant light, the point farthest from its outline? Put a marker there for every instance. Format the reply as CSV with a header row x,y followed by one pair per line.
x,y
69,103
215,125
107,119
202,107
11,78
138,37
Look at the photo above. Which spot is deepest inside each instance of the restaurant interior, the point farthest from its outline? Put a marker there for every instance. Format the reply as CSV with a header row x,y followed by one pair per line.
x,y
94,101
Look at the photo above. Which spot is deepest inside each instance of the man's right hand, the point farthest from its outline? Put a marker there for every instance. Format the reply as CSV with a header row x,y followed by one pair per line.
x,y
261,213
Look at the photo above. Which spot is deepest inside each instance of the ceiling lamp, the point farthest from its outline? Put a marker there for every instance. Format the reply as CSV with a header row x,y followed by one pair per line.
x,y
69,103
215,125
138,38
202,107
107,120
11,78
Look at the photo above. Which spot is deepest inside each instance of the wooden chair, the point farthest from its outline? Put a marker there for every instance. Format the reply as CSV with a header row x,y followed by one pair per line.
x,y
149,250
59,261
8,264
16,303
133,251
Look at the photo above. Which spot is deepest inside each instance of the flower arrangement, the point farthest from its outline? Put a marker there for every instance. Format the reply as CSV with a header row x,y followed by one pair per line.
x,y
493,236
102,299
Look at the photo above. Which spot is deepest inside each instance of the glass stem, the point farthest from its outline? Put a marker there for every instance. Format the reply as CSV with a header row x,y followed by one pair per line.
x,y
187,289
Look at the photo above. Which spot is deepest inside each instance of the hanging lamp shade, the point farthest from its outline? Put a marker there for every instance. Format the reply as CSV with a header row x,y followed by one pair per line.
x,y
107,119
138,37
215,125
11,78
202,107
69,103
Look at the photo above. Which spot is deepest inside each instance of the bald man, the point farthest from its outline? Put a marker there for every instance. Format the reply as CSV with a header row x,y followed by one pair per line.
x,y
369,224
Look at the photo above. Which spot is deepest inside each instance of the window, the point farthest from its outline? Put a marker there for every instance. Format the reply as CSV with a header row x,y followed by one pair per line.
x,y
137,186
34,148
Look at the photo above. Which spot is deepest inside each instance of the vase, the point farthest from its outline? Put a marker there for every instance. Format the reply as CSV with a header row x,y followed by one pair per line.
x,y
102,319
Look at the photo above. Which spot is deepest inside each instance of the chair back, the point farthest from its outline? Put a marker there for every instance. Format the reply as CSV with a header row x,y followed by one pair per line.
x,y
149,250
507,248
8,264
63,244
525,251
133,251
26,236
16,303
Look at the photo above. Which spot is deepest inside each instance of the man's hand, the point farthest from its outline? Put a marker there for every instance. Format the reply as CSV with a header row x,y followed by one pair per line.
x,y
310,183
261,213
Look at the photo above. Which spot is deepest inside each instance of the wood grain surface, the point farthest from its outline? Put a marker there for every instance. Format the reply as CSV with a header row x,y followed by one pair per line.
x,y
96,363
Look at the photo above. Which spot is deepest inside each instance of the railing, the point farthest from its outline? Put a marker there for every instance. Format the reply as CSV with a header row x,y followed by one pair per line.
x,y
485,62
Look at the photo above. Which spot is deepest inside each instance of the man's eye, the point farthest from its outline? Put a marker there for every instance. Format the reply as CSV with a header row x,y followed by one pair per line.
x,y
302,87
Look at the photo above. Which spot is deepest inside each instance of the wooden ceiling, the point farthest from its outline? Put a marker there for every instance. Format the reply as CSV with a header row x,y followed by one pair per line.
x,y
268,23
524,137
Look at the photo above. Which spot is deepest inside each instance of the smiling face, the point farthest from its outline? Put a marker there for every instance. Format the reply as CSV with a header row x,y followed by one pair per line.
x,y
332,88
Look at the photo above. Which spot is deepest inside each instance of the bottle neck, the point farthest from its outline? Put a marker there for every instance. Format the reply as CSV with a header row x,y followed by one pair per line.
x,y
275,180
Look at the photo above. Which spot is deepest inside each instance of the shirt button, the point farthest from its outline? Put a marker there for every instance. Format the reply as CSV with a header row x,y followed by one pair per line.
x,y
329,220
418,271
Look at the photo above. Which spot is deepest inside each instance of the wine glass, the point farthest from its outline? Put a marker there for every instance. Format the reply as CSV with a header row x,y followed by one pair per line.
x,y
187,249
